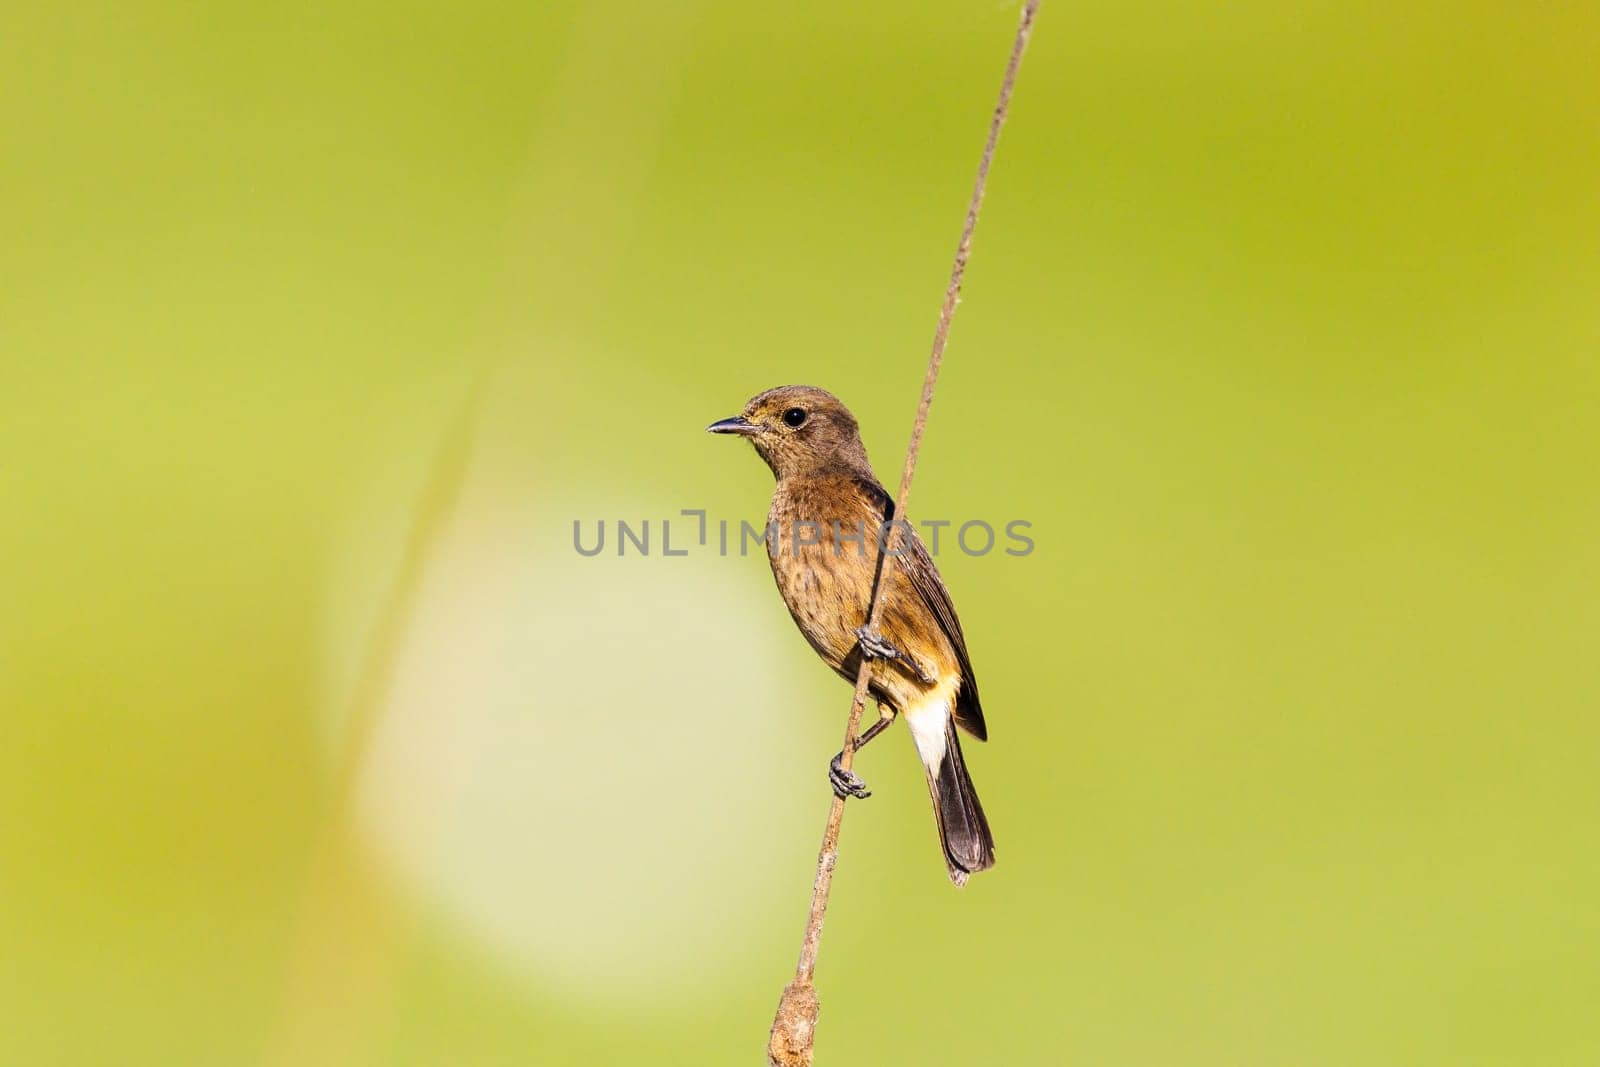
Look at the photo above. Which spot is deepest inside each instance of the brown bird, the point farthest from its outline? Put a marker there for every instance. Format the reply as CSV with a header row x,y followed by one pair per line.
x,y
823,538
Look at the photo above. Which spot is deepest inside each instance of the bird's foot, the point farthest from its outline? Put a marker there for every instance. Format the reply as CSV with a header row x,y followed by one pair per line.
x,y
846,783
873,646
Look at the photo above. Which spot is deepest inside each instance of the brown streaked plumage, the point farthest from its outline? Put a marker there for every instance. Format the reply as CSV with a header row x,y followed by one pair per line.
x,y
826,511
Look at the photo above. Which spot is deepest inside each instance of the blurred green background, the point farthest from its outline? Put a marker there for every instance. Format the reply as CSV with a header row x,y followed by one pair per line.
x,y
320,324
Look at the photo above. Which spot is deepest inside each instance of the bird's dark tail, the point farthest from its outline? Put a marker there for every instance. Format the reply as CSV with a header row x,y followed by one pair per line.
x,y
963,829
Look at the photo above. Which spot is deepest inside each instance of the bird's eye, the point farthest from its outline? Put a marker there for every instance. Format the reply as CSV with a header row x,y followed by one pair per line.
x,y
795,417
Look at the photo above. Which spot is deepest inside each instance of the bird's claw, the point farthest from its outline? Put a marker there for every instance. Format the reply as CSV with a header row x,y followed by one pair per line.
x,y
873,646
846,783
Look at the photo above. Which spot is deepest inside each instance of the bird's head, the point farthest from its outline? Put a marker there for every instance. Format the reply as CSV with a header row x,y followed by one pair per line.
x,y
799,429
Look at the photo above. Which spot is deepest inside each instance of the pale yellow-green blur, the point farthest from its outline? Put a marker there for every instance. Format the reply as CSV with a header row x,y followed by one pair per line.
x,y
320,324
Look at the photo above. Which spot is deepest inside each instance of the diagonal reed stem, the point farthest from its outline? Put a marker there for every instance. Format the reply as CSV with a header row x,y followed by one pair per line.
x,y
794,1026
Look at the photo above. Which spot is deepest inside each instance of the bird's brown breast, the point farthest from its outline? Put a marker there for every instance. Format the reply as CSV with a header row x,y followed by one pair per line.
x,y
823,556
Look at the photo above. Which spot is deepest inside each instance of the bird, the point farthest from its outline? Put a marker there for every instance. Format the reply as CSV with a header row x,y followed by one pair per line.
x,y
825,529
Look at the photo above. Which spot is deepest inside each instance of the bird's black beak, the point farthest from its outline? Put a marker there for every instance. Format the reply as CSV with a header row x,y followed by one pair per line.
x,y
738,424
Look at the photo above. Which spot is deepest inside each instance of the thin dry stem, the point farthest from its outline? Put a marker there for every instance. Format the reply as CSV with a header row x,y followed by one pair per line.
x,y
794,1026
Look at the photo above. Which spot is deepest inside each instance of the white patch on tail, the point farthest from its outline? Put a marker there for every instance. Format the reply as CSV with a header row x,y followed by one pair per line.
x,y
928,721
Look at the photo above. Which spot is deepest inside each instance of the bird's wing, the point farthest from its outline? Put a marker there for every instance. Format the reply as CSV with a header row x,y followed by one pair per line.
x,y
917,565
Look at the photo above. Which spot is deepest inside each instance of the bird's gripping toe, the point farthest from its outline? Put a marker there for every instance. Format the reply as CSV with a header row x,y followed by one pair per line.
x,y
874,646
846,783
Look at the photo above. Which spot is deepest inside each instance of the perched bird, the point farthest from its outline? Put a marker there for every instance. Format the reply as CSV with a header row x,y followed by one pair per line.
x,y
824,538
